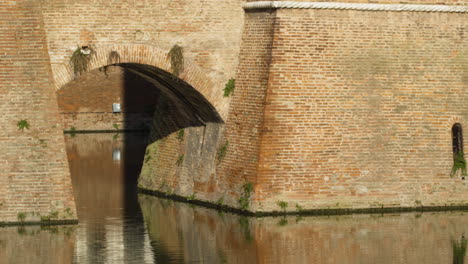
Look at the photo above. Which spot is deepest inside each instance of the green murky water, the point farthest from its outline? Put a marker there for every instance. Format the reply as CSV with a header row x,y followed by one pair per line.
x,y
119,226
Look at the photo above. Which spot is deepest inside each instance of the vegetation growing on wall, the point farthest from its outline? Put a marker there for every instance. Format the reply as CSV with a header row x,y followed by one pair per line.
x,y
80,59
283,205
180,134
229,88
244,200
222,152
177,60
23,124
21,217
459,163
180,160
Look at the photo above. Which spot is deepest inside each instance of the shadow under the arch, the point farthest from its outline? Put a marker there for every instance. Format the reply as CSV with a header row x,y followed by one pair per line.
x,y
178,105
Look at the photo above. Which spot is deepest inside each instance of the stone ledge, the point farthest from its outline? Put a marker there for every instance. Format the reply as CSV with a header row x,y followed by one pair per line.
x,y
354,6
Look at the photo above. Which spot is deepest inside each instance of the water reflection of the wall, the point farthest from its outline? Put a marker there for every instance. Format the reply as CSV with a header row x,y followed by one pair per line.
x,y
104,169
198,234
35,244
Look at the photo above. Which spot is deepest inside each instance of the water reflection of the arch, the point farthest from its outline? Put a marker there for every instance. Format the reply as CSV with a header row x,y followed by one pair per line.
x,y
111,226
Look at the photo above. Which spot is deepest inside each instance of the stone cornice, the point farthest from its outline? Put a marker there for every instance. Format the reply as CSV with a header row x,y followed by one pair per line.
x,y
355,6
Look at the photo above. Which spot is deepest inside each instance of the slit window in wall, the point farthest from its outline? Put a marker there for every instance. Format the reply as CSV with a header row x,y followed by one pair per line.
x,y
459,162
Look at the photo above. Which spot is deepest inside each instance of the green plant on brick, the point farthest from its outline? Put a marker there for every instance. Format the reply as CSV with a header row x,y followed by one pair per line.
x,y
459,163
116,126
222,152
80,59
283,205
299,208
244,199
180,160
220,201
177,60
180,134
23,124
229,88
191,197
72,131
21,217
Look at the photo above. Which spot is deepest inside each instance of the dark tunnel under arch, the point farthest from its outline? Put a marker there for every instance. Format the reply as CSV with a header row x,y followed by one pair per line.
x,y
179,105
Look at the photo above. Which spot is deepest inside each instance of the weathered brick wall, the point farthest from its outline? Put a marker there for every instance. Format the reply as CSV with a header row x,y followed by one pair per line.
x,y
208,31
184,162
86,102
34,177
244,125
360,107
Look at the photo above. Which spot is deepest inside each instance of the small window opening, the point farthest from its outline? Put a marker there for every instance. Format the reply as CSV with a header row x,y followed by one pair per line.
x,y
459,162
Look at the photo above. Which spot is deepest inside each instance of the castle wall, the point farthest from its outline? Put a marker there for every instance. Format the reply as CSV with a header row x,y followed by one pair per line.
x,y
34,178
332,108
359,110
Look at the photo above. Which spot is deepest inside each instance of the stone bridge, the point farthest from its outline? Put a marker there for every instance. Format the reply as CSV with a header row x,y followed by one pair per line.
x,y
336,105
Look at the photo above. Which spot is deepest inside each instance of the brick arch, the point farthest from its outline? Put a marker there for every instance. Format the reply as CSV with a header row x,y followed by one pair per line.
x,y
149,55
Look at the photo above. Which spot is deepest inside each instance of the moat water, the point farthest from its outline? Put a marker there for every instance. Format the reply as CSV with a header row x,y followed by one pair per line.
x,y
119,226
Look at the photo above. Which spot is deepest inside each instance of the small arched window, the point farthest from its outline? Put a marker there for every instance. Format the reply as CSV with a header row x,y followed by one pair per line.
x,y
457,139
459,162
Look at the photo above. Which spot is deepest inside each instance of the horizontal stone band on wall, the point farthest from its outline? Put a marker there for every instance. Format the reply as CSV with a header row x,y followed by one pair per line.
x,y
355,6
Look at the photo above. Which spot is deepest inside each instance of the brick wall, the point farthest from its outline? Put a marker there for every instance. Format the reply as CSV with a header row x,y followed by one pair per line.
x,y
34,177
208,31
360,107
244,125
86,102
332,108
